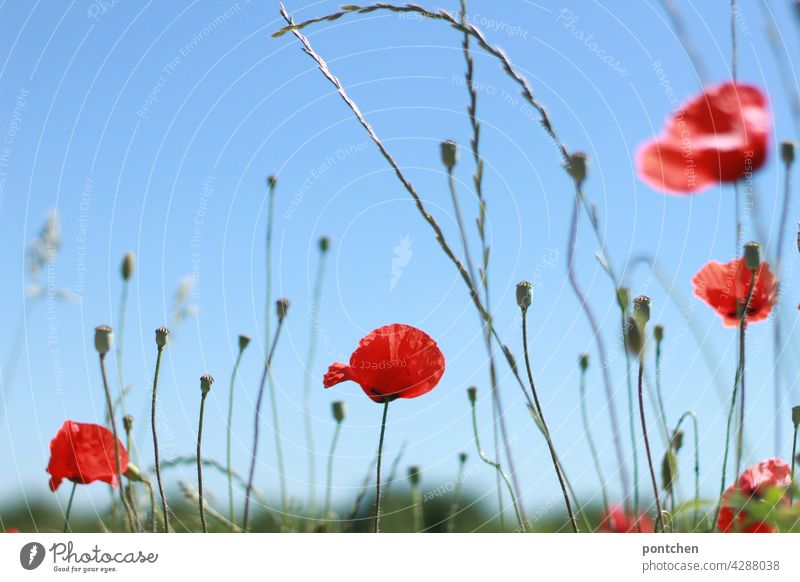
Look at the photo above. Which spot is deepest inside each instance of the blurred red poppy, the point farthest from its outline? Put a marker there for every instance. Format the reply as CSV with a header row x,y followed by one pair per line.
x,y
719,136
725,287
617,520
753,483
12,530
84,453
394,361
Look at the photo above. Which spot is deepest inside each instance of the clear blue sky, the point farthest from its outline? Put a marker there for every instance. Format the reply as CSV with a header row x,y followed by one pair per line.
x,y
151,126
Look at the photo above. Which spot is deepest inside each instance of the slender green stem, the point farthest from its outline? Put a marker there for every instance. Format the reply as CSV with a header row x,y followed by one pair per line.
x,y
496,466
201,503
660,515
123,303
740,436
696,461
131,492
659,394
164,508
117,458
231,508
256,423
592,447
151,492
631,422
794,461
556,463
69,507
329,488
377,517
312,350
451,515
734,393
416,506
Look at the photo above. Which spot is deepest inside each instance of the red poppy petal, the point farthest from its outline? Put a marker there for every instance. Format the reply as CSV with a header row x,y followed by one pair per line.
x,y
337,373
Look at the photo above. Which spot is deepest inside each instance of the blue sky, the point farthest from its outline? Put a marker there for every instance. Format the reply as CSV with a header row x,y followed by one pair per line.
x,y
151,126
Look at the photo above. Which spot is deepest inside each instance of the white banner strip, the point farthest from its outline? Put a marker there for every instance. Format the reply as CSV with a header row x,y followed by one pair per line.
x,y
400,557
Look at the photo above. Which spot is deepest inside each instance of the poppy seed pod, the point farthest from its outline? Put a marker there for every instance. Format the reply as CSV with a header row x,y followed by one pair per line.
x,y
634,340
128,264
205,383
414,474
658,332
462,458
339,410
103,338
787,152
244,341
524,295
127,423
584,361
324,244
272,181
796,415
641,309
472,394
577,167
623,298
282,308
161,336
752,256
449,150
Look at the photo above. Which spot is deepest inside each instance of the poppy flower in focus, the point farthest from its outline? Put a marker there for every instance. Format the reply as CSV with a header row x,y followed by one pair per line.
x,y
617,520
753,482
84,453
394,361
724,287
719,136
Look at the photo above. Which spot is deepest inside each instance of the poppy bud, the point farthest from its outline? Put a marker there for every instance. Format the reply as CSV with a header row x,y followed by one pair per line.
x,y
752,256
324,244
462,458
787,152
577,167
128,263
623,298
244,341
161,336
339,409
413,475
677,440
272,181
103,338
449,154
127,423
796,415
658,332
132,473
641,309
282,307
584,361
634,340
205,383
669,469
524,295
472,393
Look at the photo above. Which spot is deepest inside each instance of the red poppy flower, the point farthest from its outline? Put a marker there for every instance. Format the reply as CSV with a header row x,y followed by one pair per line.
x,y
617,520
725,287
719,136
752,483
84,453
394,361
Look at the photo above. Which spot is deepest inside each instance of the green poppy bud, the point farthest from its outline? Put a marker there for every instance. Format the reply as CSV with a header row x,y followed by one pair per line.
x,y
752,256
205,383
669,469
472,394
462,457
641,310
324,244
449,150
127,423
162,333
577,167
524,295
414,475
796,415
128,264
282,308
634,340
787,152
103,338
677,441
623,298
244,341
658,332
584,361
272,181
339,410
